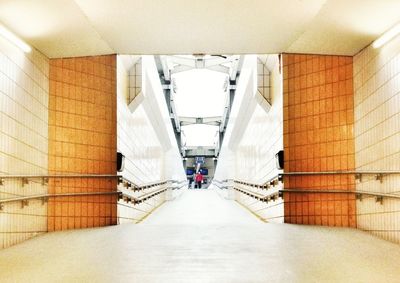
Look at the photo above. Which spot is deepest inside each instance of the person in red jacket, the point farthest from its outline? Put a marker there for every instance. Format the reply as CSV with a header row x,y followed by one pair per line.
x,y
199,180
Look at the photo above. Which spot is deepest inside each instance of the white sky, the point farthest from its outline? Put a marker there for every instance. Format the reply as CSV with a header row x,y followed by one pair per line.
x,y
199,93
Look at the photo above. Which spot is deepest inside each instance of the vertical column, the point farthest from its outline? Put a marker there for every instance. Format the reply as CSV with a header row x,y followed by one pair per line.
x,y
82,140
318,136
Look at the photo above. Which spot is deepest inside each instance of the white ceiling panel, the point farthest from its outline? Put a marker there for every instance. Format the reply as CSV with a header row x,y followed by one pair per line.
x,y
65,28
58,28
206,26
344,27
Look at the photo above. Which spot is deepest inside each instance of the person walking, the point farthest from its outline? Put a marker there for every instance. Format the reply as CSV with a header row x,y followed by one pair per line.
x,y
199,180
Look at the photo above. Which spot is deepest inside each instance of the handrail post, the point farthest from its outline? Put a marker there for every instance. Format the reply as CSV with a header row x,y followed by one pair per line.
x,y
230,191
169,195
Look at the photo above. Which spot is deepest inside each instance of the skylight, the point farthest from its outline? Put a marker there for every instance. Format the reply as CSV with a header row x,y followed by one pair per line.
x,y
200,93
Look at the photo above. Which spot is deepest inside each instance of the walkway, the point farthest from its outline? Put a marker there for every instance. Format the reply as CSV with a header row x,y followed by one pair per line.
x,y
202,238
201,207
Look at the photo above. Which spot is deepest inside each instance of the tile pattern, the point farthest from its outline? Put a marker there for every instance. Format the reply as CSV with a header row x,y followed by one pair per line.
x,y
82,140
263,79
137,140
377,135
135,80
23,140
318,136
262,139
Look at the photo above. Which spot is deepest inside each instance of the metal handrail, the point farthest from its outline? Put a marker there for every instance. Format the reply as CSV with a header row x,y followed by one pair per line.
x,y
46,196
119,193
120,177
220,187
45,177
219,183
375,194
365,172
136,200
59,176
145,196
178,188
379,174
179,182
258,196
136,187
270,182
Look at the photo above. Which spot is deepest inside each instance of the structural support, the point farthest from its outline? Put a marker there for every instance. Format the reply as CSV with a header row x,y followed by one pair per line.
x,y
169,65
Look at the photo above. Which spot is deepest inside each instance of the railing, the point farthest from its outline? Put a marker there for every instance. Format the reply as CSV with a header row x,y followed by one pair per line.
x,y
266,204
44,179
133,186
139,200
257,196
44,197
219,184
379,174
140,206
273,181
145,196
180,185
358,176
359,194
270,183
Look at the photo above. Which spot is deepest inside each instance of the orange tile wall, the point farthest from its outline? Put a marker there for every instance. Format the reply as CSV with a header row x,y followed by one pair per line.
x,y
82,140
318,136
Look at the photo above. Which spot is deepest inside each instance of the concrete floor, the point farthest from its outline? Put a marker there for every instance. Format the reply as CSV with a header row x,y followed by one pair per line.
x,y
203,238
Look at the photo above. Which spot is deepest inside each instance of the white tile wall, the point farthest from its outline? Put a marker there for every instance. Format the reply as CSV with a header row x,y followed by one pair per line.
x,y
137,140
135,79
254,156
24,95
263,78
148,160
377,135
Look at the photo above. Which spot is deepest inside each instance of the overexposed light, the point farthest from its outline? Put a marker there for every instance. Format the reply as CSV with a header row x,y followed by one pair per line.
x,y
4,32
387,36
200,93
200,135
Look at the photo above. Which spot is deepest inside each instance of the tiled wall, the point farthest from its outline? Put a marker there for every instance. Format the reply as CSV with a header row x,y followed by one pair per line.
x,y
82,140
145,134
377,135
137,139
23,140
318,136
144,158
262,139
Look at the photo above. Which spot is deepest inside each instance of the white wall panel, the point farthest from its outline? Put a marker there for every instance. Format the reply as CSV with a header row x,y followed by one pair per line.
x,y
377,135
146,138
255,135
24,94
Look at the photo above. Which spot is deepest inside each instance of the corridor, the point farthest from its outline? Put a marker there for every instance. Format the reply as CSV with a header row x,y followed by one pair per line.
x,y
286,114
201,237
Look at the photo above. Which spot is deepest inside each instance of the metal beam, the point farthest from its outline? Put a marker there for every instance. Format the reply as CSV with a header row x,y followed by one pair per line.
x,y
165,67
180,69
219,68
184,61
235,67
213,121
200,151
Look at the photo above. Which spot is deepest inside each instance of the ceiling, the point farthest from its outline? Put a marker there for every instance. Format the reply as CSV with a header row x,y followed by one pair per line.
x,y
66,28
